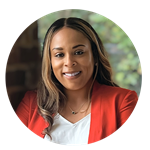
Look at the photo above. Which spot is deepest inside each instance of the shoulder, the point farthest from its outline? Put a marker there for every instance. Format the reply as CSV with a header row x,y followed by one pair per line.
x,y
113,93
30,96
117,90
113,99
105,89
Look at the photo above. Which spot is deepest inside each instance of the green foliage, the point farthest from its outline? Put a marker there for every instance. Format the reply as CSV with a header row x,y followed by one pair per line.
x,y
122,54
96,18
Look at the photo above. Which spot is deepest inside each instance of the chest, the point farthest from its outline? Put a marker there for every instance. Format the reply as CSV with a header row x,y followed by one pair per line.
x,y
73,118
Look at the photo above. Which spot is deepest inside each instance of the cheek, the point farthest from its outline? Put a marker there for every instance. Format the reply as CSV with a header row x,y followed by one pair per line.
x,y
56,66
87,59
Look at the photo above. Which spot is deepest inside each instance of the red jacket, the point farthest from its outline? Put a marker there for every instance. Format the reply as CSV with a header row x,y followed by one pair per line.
x,y
110,108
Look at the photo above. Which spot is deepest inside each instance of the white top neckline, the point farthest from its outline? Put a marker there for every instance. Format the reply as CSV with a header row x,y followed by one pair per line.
x,y
71,122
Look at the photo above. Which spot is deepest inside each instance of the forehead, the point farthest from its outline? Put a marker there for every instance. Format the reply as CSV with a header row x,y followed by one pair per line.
x,y
68,35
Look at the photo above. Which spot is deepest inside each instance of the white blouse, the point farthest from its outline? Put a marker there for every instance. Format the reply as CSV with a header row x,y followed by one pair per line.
x,y
67,133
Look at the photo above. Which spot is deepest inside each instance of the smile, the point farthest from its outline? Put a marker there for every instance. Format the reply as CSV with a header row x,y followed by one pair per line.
x,y
72,75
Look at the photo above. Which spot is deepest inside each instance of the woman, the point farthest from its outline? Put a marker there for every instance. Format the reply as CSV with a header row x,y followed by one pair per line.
x,y
76,101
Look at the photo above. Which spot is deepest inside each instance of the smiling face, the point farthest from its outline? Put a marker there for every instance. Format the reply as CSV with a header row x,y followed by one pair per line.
x,y
71,58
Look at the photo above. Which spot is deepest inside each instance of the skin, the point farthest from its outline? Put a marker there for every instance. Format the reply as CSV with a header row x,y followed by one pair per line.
x,y
71,53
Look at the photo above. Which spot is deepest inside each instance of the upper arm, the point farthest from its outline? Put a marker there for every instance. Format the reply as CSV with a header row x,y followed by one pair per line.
x,y
127,107
23,110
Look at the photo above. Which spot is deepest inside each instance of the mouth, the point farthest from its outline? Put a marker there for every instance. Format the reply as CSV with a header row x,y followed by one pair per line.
x,y
71,75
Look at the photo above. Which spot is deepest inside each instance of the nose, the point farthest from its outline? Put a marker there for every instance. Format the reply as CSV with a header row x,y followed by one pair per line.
x,y
69,61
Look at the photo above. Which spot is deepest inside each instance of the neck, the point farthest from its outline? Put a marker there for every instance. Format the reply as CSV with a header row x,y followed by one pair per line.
x,y
77,97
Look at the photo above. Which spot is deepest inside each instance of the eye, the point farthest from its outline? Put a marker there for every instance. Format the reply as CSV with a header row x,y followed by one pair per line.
x,y
80,53
58,55
62,53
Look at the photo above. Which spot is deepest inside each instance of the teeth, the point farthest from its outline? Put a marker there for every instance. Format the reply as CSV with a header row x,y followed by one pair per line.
x,y
72,74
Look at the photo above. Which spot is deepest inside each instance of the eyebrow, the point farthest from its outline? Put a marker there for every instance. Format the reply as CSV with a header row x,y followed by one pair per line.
x,y
60,48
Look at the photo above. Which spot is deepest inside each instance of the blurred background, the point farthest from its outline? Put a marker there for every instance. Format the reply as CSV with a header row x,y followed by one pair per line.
x,y
24,62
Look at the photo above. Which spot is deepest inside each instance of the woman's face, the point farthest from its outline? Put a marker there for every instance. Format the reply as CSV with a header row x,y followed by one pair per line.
x,y
71,58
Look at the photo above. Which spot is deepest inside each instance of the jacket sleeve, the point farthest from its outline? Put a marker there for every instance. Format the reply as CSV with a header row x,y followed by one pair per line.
x,y
126,107
23,110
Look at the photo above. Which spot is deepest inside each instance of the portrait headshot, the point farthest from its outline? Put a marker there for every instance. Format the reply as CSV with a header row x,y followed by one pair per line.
x,y
73,77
